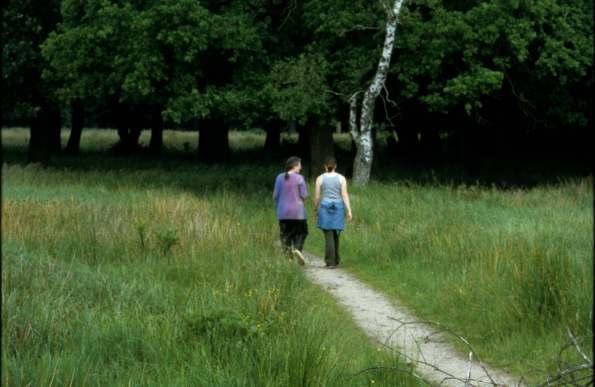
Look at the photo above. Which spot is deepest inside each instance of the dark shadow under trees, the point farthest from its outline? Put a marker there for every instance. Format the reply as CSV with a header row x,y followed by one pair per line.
x,y
515,171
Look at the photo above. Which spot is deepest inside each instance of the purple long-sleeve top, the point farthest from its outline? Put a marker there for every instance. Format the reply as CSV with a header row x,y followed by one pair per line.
x,y
289,195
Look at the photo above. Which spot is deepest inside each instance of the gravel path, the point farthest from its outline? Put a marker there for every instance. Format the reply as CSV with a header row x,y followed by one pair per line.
x,y
436,361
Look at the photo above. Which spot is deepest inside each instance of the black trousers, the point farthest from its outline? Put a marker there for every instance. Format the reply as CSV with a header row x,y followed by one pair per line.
x,y
293,233
331,250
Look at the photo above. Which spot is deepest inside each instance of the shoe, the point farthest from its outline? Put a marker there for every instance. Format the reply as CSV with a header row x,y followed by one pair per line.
x,y
299,257
289,254
330,267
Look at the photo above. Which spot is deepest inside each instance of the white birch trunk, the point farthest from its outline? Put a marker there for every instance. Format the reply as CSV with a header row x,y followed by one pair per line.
x,y
362,135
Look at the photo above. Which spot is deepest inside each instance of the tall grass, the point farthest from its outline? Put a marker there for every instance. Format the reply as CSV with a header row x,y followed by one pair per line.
x,y
173,263
508,269
150,274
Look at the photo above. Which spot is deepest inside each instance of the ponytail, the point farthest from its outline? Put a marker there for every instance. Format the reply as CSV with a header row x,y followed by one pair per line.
x,y
330,164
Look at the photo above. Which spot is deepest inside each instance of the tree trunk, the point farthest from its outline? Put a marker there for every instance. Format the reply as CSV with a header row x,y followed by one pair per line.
x,y
430,143
38,151
121,118
156,144
77,122
123,135
469,151
45,128
213,143
303,141
408,144
362,164
321,146
129,131
272,143
55,129
134,134
362,135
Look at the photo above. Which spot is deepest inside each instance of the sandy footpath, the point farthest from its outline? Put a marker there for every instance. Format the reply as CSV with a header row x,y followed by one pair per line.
x,y
390,324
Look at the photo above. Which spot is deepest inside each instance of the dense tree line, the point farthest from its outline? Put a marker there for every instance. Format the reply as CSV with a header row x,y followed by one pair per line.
x,y
495,75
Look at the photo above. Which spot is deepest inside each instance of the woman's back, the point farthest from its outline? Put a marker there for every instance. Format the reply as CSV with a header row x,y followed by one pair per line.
x,y
290,192
330,187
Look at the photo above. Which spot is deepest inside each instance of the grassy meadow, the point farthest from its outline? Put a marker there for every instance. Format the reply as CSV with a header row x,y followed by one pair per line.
x,y
510,270
138,272
166,271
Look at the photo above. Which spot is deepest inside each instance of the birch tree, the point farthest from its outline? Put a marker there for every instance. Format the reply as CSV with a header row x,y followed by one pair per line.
x,y
362,131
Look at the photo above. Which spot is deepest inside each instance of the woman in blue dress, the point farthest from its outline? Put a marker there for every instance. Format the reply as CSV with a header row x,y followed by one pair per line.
x,y
331,201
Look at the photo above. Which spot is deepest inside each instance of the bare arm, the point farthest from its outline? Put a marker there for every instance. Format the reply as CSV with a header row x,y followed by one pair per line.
x,y
345,197
317,192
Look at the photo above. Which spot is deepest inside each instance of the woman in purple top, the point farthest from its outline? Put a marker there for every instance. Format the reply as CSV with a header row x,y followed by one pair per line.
x,y
289,194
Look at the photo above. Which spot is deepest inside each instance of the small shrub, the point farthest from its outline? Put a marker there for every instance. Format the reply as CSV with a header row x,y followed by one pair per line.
x,y
167,238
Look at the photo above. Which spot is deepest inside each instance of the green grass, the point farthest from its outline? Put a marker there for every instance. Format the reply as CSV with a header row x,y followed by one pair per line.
x,y
172,263
509,270
140,272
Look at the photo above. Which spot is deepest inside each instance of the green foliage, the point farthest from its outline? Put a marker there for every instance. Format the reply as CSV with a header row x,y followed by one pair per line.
x,y
465,90
25,25
450,57
298,88
476,56
158,53
253,60
350,34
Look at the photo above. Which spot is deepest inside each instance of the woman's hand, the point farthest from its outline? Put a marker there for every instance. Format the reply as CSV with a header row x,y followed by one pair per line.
x,y
349,216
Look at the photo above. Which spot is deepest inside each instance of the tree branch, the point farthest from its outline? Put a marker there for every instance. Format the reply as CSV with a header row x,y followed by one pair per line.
x,y
289,10
578,348
568,375
382,70
353,116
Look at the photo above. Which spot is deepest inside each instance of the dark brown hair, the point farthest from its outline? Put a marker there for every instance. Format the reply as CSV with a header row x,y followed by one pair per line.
x,y
330,163
290,163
